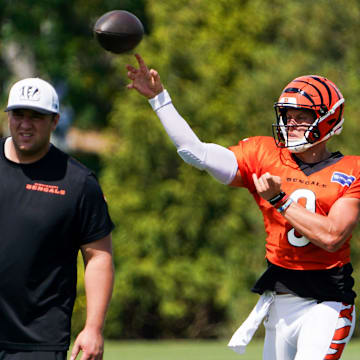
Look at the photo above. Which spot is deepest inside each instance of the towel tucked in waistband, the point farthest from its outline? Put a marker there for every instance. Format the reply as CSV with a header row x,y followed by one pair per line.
x,y
245,332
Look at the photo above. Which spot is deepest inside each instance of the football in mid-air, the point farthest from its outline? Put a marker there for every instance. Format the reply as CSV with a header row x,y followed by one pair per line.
x,y
118,31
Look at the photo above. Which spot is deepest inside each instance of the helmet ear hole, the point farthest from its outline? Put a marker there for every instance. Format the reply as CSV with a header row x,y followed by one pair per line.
x,y
323,110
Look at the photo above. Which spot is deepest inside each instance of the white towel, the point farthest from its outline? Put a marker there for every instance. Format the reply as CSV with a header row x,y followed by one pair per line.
x,y
245,332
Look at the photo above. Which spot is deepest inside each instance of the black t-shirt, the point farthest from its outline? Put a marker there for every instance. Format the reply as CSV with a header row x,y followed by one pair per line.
x,y
48,209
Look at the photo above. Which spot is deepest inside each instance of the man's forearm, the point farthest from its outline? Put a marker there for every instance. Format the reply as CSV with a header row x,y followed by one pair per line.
x,y
99,279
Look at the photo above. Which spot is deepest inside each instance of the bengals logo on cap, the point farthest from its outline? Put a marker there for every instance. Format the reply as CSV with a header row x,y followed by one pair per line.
x,y
28,92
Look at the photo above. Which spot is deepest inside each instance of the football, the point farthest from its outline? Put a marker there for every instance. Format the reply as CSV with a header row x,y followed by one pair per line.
x,y
118,31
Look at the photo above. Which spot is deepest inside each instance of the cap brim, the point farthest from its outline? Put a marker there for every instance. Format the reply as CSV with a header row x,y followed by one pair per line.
x,y
39,110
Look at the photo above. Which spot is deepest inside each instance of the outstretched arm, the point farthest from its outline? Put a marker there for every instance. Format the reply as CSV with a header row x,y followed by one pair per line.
x,y
217,160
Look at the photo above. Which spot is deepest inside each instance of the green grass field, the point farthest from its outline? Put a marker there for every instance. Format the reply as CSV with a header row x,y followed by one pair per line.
x,y
194,350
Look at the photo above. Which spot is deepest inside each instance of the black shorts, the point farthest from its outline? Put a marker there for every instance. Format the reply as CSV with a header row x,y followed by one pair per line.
x,y
32,355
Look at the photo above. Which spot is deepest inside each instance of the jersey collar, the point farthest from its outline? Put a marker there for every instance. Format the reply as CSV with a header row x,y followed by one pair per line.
x,y
309,169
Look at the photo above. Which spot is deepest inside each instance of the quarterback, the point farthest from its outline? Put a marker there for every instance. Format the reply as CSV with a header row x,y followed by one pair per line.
x,y
310,201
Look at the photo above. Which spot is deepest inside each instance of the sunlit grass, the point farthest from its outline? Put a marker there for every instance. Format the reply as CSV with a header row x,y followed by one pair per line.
x,y
194,350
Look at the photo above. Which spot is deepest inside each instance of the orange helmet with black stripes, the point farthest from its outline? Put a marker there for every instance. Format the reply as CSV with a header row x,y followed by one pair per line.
x,y
315,93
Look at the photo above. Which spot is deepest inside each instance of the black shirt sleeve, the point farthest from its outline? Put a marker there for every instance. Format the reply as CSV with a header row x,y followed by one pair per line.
x,y
94,221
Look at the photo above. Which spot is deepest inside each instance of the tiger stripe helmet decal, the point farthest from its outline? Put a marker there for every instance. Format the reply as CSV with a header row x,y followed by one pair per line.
x,y
311,92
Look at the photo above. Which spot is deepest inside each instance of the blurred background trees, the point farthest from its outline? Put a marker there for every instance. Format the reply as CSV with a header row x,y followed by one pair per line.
x,y
53,39
187,249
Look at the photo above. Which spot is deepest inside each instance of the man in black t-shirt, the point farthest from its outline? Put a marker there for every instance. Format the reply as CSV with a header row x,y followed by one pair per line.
x,y
51,207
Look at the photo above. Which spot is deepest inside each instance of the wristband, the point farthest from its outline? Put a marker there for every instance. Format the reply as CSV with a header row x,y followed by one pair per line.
x,y
274,200
280,203
286,205
160,100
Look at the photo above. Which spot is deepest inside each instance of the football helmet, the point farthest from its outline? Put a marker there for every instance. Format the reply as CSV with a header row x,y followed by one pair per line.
x,y
314,93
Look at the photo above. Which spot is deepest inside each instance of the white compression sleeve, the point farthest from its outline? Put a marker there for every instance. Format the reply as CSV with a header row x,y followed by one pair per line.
x,y
217,160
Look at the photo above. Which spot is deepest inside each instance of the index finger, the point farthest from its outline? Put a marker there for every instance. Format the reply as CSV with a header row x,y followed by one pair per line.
x,y
141,62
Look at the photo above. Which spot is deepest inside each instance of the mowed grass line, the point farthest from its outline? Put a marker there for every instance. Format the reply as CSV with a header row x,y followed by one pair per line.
x,y
194,350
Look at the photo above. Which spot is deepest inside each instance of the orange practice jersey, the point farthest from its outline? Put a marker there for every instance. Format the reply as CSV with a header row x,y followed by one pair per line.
x,y
315,187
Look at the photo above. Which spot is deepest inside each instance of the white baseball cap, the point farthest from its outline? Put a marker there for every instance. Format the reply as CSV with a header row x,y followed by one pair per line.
x,y
35,94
